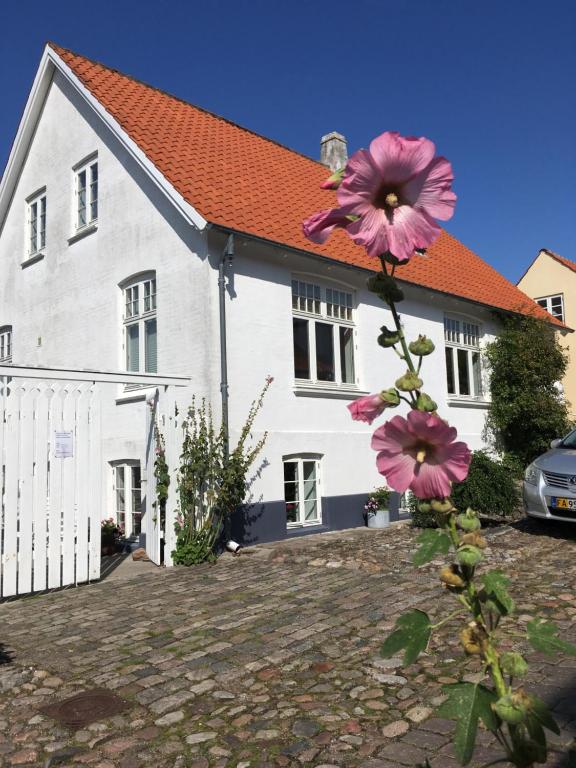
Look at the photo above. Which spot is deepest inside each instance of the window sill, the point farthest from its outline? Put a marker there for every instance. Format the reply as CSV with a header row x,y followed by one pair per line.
x,y
135,394
84,232
463,403
298,529
316,389
32,259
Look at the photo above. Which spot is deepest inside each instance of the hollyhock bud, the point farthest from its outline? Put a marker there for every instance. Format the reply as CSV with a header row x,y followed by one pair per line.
x,y
409,382
473,638
468,521
391,397
442,505
450,576
424,507
422,346
386,287
425,403
388,338
513,708
469,555
513,663
334,181
475,539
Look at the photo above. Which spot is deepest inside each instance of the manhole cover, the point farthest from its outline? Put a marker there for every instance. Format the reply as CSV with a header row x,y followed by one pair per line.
x,y
87,707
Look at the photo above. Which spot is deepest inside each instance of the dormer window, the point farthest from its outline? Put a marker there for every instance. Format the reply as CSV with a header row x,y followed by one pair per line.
x,y
36,223
86,193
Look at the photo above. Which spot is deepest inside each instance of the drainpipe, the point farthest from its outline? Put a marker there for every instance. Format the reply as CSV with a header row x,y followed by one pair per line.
x,y
225,261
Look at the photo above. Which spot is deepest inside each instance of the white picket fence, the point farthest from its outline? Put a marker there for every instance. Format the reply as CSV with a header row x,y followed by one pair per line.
x,y
52,474
51,506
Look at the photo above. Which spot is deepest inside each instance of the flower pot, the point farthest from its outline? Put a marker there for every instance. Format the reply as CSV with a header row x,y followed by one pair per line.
x,y
378,519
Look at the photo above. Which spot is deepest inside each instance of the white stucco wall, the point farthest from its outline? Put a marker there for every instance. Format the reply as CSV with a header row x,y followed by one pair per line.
x,y
66,310
260,343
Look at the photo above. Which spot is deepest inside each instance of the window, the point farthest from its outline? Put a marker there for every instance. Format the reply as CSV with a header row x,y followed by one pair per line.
x,y
86,194
36,223
554,305
140,343
301,491
323,334
463,364
128,492
6,345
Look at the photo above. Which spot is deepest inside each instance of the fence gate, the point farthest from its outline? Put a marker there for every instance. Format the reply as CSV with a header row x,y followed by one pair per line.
x,y
50,484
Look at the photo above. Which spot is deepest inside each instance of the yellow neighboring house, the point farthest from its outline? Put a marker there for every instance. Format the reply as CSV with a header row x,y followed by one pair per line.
x,y
551,281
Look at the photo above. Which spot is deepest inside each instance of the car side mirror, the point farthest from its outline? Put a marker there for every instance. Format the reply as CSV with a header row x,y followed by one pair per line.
x,y
555,443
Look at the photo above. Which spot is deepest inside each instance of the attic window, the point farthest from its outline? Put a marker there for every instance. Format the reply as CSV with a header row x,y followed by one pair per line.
x,y
554,305
86,193
36,223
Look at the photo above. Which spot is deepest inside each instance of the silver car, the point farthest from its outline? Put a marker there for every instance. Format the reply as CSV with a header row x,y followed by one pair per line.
x,y
550,482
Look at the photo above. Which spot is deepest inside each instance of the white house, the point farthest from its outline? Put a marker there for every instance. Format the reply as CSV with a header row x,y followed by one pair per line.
x,y
116,207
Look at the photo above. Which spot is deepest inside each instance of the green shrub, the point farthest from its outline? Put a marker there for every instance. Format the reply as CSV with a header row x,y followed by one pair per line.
x,y
491,487
526,410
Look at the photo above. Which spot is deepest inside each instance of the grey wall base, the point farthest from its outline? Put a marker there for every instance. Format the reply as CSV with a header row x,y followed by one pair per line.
x,y
259,523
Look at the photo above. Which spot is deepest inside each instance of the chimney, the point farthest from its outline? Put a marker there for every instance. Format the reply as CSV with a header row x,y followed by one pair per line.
x,y
333,151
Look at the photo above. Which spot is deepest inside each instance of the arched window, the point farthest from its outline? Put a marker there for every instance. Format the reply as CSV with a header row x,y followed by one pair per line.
x,y
6,344
139,324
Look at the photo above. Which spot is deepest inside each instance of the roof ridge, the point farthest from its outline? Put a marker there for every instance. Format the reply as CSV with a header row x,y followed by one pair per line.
x,y
562,259
56,47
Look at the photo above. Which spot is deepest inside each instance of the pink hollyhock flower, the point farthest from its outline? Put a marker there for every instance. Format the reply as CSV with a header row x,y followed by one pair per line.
x,y
367,408
420,453
396,189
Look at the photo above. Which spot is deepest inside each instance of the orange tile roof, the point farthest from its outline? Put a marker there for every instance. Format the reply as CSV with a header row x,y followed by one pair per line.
x,y
561,259
248,183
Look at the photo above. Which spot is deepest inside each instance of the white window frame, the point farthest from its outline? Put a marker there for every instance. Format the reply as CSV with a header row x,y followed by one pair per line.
x,y
299,459
546,303
86,179
36,223
128,516
6,345
139,302
463,333
319,306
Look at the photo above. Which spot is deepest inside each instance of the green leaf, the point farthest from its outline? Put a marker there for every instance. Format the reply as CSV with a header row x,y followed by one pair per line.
x,y
411,634
432,542
467,703
543,636
496,587
541,712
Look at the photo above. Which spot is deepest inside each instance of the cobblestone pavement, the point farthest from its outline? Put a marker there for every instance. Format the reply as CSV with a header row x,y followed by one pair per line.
x,y
270,658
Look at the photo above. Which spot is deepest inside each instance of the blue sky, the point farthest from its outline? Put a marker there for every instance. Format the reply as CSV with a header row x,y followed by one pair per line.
x,y
492,83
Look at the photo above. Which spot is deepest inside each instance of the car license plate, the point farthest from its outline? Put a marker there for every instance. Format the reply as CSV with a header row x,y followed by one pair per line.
x,y
563,503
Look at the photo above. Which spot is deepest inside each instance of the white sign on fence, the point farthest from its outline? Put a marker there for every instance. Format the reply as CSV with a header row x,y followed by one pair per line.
x,y
63,445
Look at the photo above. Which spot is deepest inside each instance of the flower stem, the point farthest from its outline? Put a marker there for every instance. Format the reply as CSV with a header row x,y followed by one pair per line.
x,y
398,324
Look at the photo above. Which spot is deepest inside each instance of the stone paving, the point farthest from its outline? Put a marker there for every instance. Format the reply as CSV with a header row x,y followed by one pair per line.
x,y
270,658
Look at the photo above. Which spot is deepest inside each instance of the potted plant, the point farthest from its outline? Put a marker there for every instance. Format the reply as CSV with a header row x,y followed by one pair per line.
x,y
110,532
377,508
